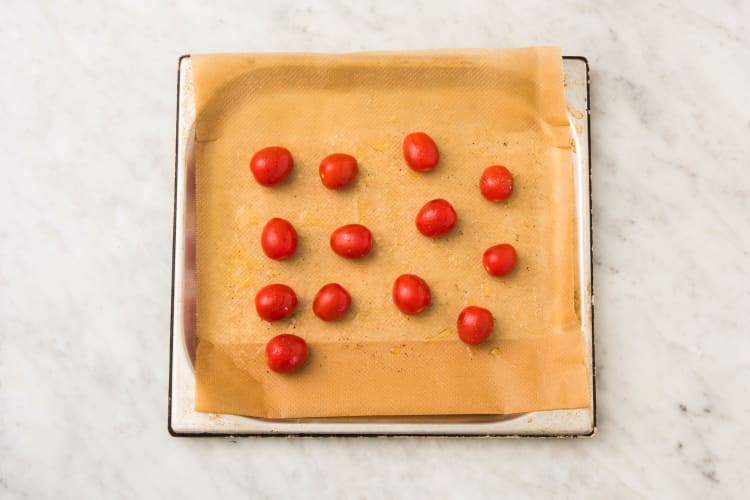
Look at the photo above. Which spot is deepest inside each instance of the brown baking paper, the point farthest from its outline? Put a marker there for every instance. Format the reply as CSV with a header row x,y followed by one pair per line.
x,y
482,107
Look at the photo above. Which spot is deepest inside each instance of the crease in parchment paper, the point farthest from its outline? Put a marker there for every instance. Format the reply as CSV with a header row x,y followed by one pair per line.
x,y
407,376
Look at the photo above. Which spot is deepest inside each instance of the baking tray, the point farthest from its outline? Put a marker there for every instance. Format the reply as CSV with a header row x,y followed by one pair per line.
x,y
182,418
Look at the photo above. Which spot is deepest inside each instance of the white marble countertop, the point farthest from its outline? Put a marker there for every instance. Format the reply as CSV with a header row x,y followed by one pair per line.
x,y
87,134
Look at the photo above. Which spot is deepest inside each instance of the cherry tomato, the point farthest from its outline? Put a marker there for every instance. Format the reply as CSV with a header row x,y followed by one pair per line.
x,y
411,294
331,302
496,183
436,218
420,152
279,239
500,259
271,165
286,353
275,302
352,241
475,325
338,170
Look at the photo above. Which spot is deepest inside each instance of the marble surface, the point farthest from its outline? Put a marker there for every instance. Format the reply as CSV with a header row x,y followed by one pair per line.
x,y
87,130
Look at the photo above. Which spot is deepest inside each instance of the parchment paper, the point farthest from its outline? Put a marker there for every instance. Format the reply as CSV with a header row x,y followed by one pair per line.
x,y
482,107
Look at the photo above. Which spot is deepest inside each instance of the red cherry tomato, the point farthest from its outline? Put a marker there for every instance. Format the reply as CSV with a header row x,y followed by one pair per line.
x,y
279,239
271,165
436,218
352,241
411,294
286,353
420,152
331,302
500,259
496,183
474,325
275,302
338,170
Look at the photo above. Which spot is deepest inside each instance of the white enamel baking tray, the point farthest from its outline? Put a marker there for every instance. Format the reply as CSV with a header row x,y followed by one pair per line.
x,y
183,420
